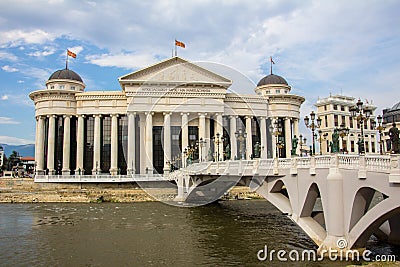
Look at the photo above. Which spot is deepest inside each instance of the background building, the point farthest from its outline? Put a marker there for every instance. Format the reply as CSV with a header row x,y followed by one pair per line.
x,y
164,114
334,112
390,116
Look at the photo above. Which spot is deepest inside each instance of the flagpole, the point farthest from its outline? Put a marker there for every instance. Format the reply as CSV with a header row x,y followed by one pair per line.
x,y
270,59
176,50
66,62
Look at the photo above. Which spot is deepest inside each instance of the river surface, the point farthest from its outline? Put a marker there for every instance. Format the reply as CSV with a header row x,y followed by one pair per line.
x,y
226,233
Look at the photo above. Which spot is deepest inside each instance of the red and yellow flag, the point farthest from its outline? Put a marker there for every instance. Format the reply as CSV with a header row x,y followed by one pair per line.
x,y
178,43
272,62
71,54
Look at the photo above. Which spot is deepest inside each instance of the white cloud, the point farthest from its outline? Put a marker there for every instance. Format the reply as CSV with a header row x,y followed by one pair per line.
x,y
9,69
9,140
8,56
4,97
7,120
128,61
44,53
18,37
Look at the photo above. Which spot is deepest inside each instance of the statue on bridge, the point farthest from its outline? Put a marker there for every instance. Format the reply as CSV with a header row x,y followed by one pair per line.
x,y
394,138
360,144
257,150
210,155
228,152
295,141
335,142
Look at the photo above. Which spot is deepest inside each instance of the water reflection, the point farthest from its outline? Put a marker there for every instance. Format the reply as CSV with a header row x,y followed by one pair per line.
x,y
228,233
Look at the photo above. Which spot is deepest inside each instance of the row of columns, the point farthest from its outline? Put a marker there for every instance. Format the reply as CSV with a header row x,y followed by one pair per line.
x,y
146,140
40,138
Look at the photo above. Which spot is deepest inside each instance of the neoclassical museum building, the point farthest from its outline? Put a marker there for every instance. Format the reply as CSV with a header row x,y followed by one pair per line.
x,y
163,115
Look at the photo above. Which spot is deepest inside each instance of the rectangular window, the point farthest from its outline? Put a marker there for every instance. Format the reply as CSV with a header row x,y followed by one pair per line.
x,y
336,120
351,122
344,121
342,108
61,87
373,147
326,121
366,147
352,146
335,107
325,107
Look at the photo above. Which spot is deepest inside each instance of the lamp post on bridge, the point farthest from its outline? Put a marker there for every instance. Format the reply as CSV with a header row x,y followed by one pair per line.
x,y
241,138
380,129
217,140
202,144
313,126
362,115
277,131
343,131
302,142
321,137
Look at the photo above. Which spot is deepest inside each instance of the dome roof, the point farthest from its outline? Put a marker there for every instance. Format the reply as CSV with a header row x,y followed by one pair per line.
x,y
272,79
66,74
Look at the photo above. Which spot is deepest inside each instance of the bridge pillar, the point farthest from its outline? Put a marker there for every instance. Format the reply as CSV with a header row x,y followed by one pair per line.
x,y
394,176
334,213
181,194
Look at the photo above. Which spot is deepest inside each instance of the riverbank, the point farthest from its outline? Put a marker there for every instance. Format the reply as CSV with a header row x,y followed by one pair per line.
x,y
26,191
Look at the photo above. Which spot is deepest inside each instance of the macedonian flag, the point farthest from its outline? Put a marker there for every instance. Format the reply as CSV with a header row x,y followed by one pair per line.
x,y
178,43
71,54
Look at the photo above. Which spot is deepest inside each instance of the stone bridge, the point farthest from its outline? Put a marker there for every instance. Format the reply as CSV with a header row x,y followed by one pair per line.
x,y
334,198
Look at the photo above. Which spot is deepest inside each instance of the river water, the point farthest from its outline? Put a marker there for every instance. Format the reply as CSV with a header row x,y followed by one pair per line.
x,y
225,233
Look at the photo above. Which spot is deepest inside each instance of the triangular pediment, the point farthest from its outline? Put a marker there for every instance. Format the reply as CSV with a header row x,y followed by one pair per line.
x,y
175,70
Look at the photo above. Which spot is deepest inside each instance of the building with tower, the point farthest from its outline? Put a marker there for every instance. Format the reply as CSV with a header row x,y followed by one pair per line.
x,y
163,115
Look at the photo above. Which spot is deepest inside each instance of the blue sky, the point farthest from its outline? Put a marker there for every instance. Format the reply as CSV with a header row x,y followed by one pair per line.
x,y
320,47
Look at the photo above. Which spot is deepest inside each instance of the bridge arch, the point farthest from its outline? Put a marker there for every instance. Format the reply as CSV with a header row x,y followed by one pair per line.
x,y
280,196
313,205
371,221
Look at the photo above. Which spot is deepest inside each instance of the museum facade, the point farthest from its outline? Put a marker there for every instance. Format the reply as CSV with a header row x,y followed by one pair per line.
x,y
164,115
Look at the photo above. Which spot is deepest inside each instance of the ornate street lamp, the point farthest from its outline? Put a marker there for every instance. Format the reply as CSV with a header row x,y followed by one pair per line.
x,y
380,129
217,140
202,144
343,131
362,115
313,126
321,137
241,137
277,131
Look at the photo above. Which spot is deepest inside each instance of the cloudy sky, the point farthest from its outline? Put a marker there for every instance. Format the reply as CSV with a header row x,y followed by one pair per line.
x,y
320,47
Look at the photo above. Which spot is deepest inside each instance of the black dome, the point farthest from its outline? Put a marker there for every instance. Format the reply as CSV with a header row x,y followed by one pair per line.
x,y
272,79
66,74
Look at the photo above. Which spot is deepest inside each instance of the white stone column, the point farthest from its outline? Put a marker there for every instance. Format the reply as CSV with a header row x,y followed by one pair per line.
x,y
296,133
288,137
131,169
167,142
39,148
96,146
185,134
80,145
51,144
249,139
202,126
263,132
149,142
207,139
220,127
232,131
142,122
114,144
66,145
